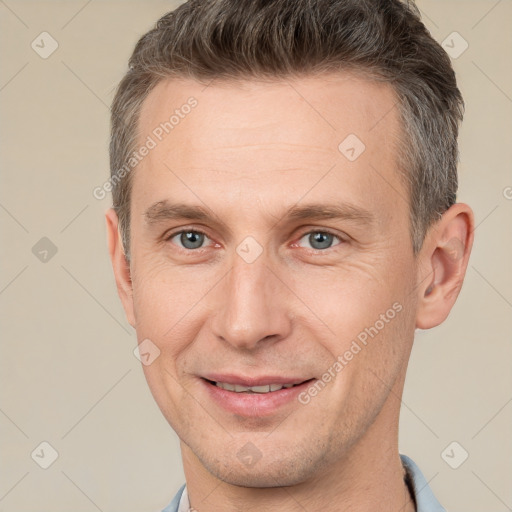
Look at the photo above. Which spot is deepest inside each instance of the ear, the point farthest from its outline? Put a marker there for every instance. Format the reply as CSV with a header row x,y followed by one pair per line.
x,y
120,265
443,260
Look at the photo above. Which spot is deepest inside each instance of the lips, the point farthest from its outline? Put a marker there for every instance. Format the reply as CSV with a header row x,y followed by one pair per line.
x,y
262,396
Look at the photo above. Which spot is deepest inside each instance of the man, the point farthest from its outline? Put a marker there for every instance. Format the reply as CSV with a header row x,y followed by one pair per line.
x,y
284,184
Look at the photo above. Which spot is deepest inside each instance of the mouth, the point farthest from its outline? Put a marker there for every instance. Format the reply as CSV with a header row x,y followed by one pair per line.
x,y
262,389
254,397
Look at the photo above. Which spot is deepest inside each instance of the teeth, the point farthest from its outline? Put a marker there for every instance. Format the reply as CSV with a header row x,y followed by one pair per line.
x,y
252,389
228,387
261,389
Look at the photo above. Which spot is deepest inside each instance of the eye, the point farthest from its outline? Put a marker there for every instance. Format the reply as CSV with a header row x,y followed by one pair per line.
x,y
193,239
319,240
189,239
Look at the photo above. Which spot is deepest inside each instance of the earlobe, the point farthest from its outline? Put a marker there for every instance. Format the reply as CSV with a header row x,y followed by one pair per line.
x,y
444,260
120,265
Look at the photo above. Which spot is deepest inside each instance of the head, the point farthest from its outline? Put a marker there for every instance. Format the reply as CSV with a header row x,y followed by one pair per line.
x,y
296,221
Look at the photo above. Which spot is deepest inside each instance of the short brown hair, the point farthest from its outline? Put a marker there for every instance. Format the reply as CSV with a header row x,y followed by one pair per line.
x,y
275,39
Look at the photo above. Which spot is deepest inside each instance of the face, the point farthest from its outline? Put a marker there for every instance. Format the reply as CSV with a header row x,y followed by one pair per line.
x,y
270,247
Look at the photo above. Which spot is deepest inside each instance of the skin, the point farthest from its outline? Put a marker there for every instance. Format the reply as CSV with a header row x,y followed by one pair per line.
x,y
247,153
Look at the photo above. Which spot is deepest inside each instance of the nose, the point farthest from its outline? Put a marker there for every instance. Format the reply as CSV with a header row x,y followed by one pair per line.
x,y
251,306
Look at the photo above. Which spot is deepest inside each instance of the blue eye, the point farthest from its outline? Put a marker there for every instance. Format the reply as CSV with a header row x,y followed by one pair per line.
x,y
190,239
319,240
193,239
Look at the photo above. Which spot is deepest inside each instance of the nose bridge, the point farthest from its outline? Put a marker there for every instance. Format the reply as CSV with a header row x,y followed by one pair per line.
x,y
251,308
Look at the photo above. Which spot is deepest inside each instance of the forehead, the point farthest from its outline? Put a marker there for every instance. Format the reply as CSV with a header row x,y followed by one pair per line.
x,y
321,108
270,138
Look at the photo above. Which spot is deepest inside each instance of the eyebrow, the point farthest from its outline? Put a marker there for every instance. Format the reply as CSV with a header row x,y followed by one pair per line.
x,y
163,211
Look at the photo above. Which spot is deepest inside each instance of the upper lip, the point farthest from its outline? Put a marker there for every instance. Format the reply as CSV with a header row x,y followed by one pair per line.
x,y
263,380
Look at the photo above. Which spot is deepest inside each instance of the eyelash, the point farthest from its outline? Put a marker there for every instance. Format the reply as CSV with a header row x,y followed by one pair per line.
x,y
169,237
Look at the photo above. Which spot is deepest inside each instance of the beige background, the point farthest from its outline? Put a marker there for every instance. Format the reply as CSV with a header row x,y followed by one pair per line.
x,y
69,376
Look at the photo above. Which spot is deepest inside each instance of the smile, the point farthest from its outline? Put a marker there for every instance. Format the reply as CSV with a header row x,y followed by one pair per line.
x,y
237,388
256,398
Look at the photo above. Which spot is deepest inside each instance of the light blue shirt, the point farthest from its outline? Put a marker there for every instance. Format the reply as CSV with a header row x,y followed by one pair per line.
x,y
425,500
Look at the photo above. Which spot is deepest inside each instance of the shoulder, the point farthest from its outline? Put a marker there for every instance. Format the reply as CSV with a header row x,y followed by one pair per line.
x,y
425,499
173,506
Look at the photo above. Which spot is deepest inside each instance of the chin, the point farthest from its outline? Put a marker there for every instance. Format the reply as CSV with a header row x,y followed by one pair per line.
x,y
271,470
263,478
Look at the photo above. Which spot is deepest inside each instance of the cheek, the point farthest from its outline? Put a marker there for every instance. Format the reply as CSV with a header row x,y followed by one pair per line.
x,y
351,294
364,310
164,294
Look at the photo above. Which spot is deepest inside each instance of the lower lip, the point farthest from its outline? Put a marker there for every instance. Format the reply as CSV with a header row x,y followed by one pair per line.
x,y
254,404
